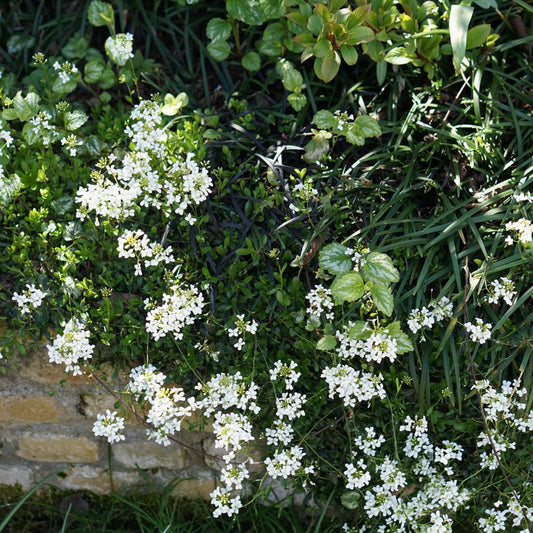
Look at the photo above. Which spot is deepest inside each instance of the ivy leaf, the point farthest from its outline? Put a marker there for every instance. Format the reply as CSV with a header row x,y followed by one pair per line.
x,y
333,258
326,343
218,29
348,288
379,268
382,297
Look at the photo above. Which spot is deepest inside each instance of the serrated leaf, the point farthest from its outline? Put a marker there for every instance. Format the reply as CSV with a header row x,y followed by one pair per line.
x,y
324,119
101,14
218,29
382,297
397,56
292,80
297,101
349,54
326,343
219,50
75,119
348,287
244,11
76,48
354,138
379,268
477,36
334,259
403,343
367,126
251,61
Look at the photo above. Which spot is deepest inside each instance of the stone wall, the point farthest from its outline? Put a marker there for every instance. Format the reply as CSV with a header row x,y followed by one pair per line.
x,y
46,419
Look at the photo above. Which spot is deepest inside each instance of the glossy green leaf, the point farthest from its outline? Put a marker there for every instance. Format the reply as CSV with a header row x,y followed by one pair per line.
x,y
477,36
349,54
379,268
326,343
360,34
75,119
368,126
348,287
219,50
382,297
218,29
292,80
397,56
324,119
101,14
297,101
251,61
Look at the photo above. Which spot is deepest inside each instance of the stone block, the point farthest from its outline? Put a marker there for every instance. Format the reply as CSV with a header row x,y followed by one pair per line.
x,y
27,409
149,455
96,479
197,487
36,447
11,475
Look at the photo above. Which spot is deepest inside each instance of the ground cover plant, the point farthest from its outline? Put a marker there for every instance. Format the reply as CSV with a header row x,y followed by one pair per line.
x,y
315,217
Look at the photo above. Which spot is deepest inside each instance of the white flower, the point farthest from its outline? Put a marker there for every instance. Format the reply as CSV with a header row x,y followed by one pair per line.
x,y
109,425
320,302
281,433
225,502
370,443
145,381
290,405
285,463
285,371
30,299
502,288
357,476
523,228
71,347
119,48
479,332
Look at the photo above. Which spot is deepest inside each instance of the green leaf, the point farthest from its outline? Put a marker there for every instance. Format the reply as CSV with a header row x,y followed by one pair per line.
x,y
360,330
292,80
322,48
326,343
218,29
353,137
297,101
348,287
379,268
317,147
27,107
324,119
75,119
244,11
360,34
31,133
251,61
403,341
283,298
272,42
315,24
172,105
329,66
297,17
76,48
382,297
358,16
368,126
349,54
397,56
381,72
18,42
93,70
107,79
101,14
219,50
477,36
460,16
334,259
9,114
350,500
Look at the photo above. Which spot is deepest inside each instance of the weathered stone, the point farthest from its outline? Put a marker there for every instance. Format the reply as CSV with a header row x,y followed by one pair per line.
x,y
146,454
93,404
21,410
193,488
57,449
11,475
96,479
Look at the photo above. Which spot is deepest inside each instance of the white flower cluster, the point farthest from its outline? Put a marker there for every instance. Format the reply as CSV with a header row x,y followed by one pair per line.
x,y
378,346
426,317
523,230
109,425
353,386
287,372
136,244
502,288
65,70
478,332
320,302
30,299
5,135
71,347
178,309
431,503
239,331
524,197
45,131
358,256
507,405
496,519
285,463
168,407
302,193
119,48
225,501
151,175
